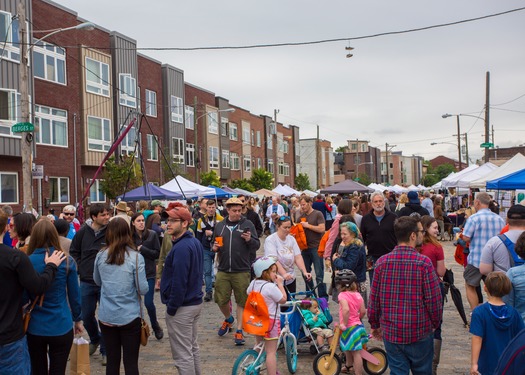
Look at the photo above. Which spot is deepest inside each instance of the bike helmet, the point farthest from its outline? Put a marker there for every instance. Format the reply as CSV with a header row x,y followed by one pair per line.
x,y
262,264
345,277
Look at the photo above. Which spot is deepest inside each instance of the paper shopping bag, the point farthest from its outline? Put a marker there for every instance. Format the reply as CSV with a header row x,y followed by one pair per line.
x,y
79,357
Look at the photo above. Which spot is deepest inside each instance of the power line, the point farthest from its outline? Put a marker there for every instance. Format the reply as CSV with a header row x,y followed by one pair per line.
x,y
507,110
510,101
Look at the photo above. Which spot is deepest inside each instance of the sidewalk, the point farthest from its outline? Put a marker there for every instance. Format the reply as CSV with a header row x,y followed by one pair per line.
x,y
219,353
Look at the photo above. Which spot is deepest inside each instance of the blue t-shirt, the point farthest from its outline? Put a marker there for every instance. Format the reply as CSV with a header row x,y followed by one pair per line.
x,y
496,325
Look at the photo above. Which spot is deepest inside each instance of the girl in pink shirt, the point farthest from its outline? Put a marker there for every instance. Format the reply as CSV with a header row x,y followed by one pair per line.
x,y
351,311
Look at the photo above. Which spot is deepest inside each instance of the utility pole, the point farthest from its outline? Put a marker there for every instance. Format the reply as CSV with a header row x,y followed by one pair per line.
x,y
487,111
493,136
26,137
466,150
386,157
459,143
356,158
318,159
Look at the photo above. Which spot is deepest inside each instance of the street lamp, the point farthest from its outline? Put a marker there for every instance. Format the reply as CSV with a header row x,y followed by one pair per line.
x,y
446,115
27,136
486,144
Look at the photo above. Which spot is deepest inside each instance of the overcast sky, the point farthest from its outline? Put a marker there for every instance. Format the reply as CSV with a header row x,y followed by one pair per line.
x,y
394,89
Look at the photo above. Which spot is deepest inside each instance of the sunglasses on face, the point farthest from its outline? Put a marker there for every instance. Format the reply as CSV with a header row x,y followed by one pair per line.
x,y
68,213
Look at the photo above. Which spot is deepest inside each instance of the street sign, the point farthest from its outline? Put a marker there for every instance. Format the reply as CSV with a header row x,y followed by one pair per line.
x,y
487,145
38,172
23,127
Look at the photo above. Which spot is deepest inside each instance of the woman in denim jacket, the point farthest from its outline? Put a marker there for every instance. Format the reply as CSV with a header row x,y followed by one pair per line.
x,y
116,269
50,331
516,297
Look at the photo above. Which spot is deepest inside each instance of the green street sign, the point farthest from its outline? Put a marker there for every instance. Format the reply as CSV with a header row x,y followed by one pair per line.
x,y
487,145
23,127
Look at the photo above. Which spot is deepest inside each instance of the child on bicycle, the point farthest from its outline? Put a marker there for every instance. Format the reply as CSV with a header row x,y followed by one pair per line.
x,y
351,311
271,286
317,323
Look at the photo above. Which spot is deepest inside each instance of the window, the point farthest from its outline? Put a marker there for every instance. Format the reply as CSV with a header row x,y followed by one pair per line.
x,y
49,62
99,134
52,126
233,131
128,90
270,141
177,109
213,157
259,163
96,195
189,118
8,187
151,103
177,145
10,110
246,134
234,161
286,147
59,189
247,163
9,36
258,136
225,159
270,165
286,169
363,147
127,147
224,126
153,147
253,138
190,154
213,124
97,77
354,147
281,168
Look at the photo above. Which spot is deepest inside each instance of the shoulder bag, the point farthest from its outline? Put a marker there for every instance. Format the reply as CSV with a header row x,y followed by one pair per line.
x,y
144,327
26,314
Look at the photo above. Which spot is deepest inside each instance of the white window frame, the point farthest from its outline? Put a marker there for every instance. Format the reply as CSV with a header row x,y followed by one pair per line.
x,y
286,169
280,168
234,134
213,123
55,119
258,138
190,154
234,162
10,52
247,163
177,144
286,147
189,117
55,54
270,166
98,87
95,189
127,90
252,134
59,182
13,112
213,157
105,144
225,159
224,127
270,141
246,134
177,109
152,147
127,146
15,190
259,163
151,103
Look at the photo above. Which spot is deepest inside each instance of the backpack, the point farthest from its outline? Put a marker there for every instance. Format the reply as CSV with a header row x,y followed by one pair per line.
x,y
256,318
515,260
512,360
322,243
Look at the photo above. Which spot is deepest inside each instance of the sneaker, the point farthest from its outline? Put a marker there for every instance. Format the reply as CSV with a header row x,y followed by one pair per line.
x,y
226,326
208,297
104,360
159,333
93,348
239,338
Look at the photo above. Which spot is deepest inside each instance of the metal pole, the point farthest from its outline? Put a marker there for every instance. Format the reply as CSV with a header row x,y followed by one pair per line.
x,y
386,156
466,149
459,143
487,110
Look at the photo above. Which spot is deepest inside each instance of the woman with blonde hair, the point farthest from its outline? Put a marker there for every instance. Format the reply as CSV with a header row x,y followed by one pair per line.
x,y
50,331
403,200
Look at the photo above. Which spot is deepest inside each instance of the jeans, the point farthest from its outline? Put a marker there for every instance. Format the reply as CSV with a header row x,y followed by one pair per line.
x,y
415,357
57,347
14,358
150,305
310,257
371,272
122,341
209,256
90,296
182,332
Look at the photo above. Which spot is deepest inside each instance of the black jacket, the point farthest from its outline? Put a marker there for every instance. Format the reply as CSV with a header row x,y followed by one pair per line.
x,y
256,220
150,250
410,208
84,249
379,238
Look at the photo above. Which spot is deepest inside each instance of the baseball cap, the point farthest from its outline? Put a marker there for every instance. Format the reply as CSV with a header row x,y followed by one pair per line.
x,y
413,197
181,213
516,212
156,202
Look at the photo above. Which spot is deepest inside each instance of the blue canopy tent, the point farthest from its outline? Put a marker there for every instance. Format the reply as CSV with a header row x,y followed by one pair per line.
x,y
512,181
219,193
149,192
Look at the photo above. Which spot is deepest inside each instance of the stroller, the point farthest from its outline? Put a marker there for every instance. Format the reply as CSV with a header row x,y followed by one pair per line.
x,y
298,324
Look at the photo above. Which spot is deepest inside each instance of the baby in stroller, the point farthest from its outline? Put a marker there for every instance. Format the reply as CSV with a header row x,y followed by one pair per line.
x,y
317,322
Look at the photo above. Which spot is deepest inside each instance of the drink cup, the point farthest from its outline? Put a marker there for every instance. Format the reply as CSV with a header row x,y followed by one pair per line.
x,y
218,239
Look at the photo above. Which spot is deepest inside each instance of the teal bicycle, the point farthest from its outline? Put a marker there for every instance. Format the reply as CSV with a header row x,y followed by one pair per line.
x,y
252,361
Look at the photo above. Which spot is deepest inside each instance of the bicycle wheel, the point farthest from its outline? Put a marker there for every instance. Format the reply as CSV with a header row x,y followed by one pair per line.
x,y
291,354
380,368
246,363
324,366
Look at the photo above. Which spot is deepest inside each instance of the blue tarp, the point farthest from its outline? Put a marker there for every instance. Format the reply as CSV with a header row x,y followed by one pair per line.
x,y
219,193
149,192
512,181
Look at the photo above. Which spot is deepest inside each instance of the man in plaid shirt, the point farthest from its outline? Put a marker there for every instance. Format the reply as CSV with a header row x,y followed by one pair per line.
x,y
405,302
479,229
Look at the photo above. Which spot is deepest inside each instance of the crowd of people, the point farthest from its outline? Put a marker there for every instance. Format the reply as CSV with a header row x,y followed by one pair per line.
x,y
90,276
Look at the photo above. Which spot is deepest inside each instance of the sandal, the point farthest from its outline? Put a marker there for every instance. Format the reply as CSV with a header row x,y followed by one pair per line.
x,y
347,369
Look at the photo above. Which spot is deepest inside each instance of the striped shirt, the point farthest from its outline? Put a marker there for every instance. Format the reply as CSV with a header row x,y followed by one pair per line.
x,y
405,298
480,228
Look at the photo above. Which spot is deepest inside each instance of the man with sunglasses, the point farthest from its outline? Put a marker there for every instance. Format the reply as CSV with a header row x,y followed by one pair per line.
x,y
68,213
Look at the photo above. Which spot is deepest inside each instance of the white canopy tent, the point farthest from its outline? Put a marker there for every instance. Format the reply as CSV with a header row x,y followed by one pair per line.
x,y
451,179
465,179
413,188
190,189
516,163
285,190
309,193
